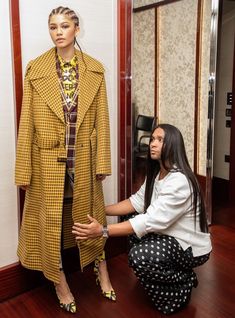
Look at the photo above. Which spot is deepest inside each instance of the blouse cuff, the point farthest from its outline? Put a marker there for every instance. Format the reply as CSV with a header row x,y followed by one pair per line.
x,y
138,225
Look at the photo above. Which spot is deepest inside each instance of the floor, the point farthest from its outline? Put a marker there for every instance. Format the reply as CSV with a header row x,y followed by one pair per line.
x,y
213,298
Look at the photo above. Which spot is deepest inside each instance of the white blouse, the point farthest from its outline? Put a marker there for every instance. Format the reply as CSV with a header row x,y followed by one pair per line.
x,y
170,213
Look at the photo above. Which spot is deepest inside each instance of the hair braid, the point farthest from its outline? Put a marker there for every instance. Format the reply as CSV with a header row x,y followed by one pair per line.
x,y
66,11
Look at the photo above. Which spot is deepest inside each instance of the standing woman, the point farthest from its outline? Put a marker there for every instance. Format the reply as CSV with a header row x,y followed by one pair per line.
x,y
171,232
63,153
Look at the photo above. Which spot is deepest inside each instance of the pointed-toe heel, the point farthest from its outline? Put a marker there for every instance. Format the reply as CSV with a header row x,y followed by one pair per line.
x,y
107,294
70,307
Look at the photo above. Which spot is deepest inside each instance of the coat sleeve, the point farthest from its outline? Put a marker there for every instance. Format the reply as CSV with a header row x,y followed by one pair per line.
x,y
23,166
103,160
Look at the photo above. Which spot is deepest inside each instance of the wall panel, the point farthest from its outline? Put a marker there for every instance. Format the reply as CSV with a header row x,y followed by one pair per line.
x,y
177,60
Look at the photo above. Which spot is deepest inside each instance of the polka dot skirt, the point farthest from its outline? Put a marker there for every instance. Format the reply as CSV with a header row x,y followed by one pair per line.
x,y
165,270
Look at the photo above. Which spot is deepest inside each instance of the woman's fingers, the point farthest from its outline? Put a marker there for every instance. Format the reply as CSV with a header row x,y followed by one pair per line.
x,y
90,218
82,230
85,231
78,238
100,177
80,226
24,187
80,234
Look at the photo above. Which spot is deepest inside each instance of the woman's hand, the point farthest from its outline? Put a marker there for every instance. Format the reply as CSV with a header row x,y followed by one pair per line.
x,y
100,177
87,231
24,187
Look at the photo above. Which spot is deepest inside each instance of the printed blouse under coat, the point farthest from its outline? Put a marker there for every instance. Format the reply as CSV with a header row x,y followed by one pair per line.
x,y
68,78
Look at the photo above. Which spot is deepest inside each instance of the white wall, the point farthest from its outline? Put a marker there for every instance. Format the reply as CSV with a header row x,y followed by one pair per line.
x,y
98,37
8,192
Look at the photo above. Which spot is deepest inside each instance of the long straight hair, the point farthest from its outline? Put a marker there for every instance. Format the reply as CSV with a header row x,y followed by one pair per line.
x,y
174,158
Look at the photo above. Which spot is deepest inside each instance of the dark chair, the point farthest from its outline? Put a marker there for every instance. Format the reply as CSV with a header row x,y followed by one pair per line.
x,y
144,124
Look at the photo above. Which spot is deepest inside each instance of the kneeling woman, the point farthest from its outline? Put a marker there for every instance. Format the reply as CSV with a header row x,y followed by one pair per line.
x,y
170,227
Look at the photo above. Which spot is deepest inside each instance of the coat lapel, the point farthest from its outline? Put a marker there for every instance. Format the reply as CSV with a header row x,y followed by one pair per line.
x,y
90,77
44,78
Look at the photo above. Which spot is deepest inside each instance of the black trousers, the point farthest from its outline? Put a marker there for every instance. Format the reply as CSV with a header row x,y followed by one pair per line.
x,y
165,270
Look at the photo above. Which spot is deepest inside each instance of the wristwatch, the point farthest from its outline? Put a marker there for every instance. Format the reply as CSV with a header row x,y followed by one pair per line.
x,y
105,231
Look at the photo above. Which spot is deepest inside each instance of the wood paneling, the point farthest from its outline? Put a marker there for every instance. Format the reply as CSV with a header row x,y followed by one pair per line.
x,y
17,61
232,141
202,182
15,279
124,99
220,190
17,70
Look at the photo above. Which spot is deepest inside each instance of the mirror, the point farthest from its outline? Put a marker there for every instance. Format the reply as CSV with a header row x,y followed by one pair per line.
x,y
221,122
170,67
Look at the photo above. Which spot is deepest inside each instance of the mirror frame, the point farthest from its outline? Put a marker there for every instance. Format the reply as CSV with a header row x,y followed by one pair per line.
x,y
211,104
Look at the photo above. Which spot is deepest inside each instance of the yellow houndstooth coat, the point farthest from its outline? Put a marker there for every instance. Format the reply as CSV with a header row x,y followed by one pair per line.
x,y
40,161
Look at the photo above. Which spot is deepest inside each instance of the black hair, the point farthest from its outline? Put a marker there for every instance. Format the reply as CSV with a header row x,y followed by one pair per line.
x,y
174,158
66,11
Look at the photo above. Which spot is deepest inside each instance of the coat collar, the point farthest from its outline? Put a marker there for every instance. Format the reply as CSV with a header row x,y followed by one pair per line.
x,y
44,65
43,76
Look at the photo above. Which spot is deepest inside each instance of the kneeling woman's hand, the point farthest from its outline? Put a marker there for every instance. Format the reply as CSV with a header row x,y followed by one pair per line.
x,y
87,231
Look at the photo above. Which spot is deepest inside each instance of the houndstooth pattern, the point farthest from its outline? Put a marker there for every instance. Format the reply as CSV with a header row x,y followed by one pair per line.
x,y
41,157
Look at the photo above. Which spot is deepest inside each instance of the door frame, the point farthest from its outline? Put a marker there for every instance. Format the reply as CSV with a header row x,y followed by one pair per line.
x,y
124,99
232,139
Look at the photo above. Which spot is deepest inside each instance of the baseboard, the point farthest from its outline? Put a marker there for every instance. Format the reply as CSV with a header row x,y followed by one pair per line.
x,y
15,279
220,189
